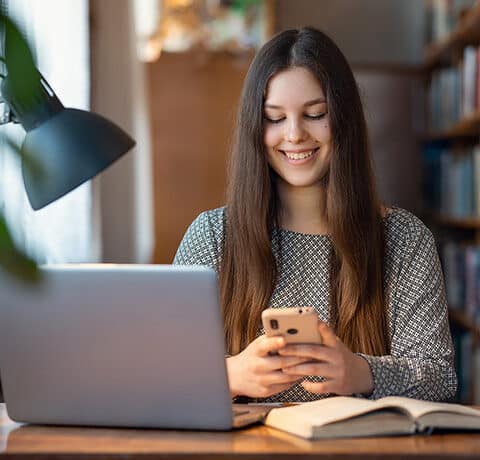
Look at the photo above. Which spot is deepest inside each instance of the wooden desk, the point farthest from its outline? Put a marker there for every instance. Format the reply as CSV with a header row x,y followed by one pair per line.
x,y
39,442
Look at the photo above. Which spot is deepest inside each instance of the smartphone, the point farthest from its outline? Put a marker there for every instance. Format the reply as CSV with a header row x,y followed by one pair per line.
x,y
296,324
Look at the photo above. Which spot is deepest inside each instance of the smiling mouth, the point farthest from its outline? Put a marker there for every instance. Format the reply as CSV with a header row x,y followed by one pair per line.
x,y
299,156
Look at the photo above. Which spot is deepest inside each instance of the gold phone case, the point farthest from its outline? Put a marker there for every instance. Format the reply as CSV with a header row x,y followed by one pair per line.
x,y
296,324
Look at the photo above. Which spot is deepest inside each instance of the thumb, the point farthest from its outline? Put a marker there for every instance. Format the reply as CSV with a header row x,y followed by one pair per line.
x,y
269,345
328,335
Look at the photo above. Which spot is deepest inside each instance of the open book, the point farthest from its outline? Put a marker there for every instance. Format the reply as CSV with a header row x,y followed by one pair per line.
x,y
344,416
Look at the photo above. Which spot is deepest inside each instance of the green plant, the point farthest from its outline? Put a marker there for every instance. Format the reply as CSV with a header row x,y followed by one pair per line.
x,y
23,80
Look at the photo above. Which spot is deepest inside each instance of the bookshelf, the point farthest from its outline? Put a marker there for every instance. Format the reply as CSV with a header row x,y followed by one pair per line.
x,y
467,127
461,319
467,31
451,171
472,223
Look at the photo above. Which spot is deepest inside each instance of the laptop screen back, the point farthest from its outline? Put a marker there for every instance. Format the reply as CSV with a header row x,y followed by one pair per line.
x,y
115,345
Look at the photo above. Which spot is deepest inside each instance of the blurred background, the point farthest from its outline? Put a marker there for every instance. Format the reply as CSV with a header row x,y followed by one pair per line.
x,y
170,72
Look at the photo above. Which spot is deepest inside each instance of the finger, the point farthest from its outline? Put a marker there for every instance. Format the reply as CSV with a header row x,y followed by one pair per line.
x,y
329,337
312,368
320,387
278,388
280,362
309,351
270,345
278,378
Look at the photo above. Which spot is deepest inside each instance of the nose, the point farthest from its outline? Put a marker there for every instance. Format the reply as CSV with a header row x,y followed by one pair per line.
x,y
295,132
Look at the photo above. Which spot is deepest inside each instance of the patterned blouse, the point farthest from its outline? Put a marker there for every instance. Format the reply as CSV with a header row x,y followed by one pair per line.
x,y
420,364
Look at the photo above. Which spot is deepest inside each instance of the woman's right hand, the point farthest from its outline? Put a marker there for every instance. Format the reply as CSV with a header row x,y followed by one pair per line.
x,y
257,372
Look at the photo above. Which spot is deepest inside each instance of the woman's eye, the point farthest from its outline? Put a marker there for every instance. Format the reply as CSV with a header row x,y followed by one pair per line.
x,y
316,117
274,120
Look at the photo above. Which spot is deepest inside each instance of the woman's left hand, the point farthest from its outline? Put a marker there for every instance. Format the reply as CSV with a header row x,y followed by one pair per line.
x,y
345,373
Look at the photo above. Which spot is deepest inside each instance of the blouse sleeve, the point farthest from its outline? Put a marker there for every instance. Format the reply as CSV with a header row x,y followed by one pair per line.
x,y
421,363
201,243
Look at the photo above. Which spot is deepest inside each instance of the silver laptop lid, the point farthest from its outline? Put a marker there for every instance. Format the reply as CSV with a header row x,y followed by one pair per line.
x,y
115,345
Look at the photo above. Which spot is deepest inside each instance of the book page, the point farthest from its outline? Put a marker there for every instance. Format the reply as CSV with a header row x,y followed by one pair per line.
x,y
417,407
448,421
321,412
379,423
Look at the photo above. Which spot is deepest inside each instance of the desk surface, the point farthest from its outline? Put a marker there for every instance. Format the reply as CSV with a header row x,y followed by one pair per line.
x,y
256,442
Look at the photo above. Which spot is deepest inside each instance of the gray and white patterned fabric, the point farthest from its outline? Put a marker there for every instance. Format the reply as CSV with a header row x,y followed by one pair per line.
x,y
420,364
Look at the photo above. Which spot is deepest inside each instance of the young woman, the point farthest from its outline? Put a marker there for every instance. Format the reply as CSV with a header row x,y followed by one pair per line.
x,y
303,226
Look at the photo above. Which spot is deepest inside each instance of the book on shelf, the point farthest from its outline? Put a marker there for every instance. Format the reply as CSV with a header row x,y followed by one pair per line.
x,y
453,262
453,94
477,104
345,416
476,179
454,90
461,268
445,98
451,185
471,275
470,70
464,374
465,365
476,381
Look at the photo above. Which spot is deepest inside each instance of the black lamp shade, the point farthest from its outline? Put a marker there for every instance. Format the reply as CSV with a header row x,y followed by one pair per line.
x,y
63,148
70,148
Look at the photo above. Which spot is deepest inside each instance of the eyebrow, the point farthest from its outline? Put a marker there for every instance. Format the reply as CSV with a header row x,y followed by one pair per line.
x,y
320,100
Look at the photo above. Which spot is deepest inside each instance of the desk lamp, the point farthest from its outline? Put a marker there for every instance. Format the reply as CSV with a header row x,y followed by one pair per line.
x,y
68,146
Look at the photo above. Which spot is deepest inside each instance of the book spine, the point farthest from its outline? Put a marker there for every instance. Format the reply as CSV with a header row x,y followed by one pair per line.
x,y
469,80
476,180
477,89
471,255
451,182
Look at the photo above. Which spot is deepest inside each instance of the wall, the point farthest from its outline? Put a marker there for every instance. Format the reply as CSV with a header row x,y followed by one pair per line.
x,y
194,99
367,31
390,103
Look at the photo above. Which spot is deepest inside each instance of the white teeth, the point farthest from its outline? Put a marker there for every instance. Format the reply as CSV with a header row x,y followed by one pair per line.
x,y
299,156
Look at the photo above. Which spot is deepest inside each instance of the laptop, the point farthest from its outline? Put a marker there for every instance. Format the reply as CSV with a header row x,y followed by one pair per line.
x,y
117,345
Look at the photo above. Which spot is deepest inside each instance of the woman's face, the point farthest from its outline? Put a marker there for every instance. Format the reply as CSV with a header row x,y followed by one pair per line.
x,y
297,132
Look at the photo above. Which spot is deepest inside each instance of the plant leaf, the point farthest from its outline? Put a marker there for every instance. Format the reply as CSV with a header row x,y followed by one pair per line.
x,y
23,76
24,82
13,260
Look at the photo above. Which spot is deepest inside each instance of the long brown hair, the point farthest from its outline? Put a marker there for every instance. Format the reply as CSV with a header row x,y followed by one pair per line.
x,y
248,268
